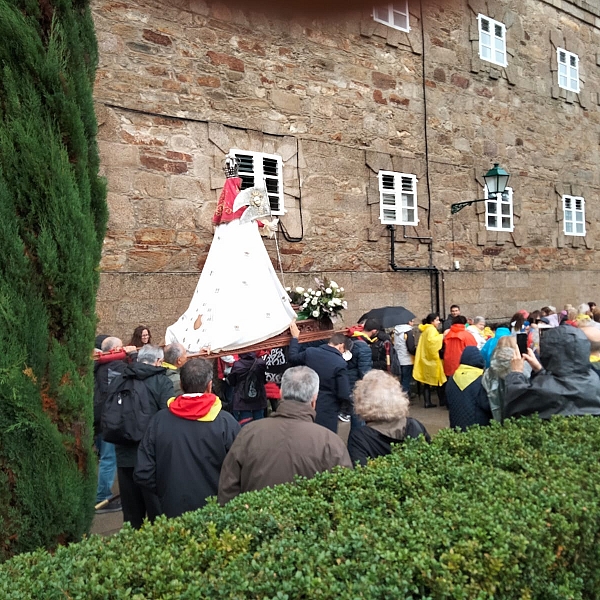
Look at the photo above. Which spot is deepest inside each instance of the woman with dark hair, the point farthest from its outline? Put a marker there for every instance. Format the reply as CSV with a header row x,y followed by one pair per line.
x,y
141,336
428,367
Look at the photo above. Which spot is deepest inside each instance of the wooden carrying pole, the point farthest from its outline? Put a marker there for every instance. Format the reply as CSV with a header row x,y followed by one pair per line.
x,y
278,341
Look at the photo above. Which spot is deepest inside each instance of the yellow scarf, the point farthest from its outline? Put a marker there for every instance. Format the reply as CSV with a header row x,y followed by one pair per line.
x,y
465,375
594,358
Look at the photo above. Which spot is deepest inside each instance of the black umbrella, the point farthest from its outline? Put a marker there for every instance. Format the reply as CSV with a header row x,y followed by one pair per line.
x,y
389,316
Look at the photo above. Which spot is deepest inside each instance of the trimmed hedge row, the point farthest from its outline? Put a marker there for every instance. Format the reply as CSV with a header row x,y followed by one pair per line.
x,y
500,512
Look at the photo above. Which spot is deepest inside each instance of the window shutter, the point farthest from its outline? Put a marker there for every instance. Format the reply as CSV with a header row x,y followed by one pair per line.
x,y
394,15
388,214
246,170
398,198
263,171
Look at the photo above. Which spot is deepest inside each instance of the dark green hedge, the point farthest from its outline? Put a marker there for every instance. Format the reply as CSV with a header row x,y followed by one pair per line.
x,y
52,222
498,512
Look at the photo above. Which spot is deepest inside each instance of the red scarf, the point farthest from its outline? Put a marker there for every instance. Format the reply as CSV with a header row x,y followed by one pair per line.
x,y
192,407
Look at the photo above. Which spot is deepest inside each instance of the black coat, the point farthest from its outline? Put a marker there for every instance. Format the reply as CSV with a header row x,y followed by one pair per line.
x,y
567,385
366,442
360,363
334,387
469,406
160,389
103,376
180,460
237,379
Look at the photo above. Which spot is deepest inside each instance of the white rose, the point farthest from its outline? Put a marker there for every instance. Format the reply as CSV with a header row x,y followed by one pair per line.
x,y
288,289
341,289
333,284
318,294
300,290
315,313
314,301
330,303
344,304
306,294
328,291
310,290
337,301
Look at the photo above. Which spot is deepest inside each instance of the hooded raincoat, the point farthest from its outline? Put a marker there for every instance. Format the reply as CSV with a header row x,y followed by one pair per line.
x,y
490,345
467,399
428,364
566,385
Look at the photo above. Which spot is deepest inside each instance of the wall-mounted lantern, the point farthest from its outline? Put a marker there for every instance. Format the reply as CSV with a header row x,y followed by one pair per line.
x,y
496,180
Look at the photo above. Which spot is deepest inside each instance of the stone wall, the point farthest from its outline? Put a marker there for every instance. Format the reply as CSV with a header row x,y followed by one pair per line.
x,y
180,83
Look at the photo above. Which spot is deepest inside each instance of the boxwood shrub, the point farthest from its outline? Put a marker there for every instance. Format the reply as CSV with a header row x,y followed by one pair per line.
x,y
499,512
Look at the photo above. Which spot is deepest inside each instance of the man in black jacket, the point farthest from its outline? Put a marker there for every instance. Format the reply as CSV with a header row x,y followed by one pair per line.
x,y
181,454
109,364
138,502
330,366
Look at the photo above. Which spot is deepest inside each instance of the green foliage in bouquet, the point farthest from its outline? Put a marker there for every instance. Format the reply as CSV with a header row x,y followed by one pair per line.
x,y
326,300
497,513
52,223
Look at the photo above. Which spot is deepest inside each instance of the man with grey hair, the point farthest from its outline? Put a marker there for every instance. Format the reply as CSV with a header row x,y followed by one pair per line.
x,y
175,358
272,451
138,502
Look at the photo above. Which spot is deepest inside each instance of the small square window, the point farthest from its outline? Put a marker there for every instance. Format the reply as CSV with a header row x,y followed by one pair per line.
x,y
568,70
492,41
394,15
263,171
397,198
573,215
499,211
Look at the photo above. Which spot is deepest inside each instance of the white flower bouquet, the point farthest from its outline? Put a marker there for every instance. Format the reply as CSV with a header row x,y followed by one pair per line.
x,y
326,300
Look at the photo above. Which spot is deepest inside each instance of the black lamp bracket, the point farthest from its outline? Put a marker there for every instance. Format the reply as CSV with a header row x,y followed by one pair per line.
x,y
458,206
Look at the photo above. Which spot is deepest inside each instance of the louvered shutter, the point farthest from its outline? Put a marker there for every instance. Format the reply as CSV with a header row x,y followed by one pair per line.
x,y
263,171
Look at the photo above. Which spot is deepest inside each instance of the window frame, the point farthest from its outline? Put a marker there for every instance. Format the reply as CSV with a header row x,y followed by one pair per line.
x,y
492,46
568,66
498,214
398,193
574,210
393,7
259,177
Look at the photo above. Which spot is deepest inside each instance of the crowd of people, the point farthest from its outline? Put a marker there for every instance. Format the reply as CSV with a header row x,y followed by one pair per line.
x,y
173,440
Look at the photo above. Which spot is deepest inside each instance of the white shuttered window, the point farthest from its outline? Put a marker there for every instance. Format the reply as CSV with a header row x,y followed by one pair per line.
x,y
492,41
568,70
499,211
397,198
263,171
394,15
574,215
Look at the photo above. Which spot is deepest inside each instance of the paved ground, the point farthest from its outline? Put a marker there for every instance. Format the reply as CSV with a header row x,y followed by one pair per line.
x,y
434,419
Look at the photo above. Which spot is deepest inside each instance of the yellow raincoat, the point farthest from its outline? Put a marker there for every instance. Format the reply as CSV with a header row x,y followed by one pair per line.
x,y
428,364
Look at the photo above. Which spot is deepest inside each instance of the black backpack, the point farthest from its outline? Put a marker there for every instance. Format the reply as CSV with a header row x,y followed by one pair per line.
x,y
394,362
126,412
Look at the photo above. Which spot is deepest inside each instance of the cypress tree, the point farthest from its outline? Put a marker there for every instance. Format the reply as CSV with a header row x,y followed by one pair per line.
x,y
52,223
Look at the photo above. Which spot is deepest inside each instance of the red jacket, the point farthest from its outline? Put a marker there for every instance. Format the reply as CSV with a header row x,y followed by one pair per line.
x,y
454,344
